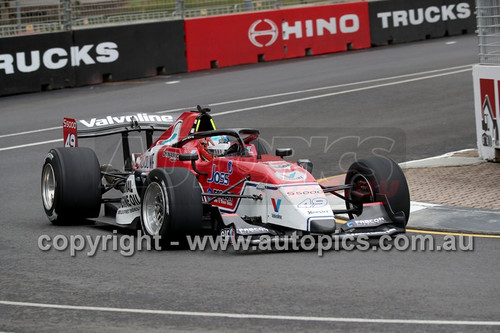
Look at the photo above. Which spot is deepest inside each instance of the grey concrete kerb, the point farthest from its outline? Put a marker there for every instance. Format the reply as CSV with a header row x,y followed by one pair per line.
x,y
455,158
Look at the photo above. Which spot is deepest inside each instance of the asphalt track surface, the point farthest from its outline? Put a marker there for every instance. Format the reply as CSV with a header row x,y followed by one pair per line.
x,y
418,97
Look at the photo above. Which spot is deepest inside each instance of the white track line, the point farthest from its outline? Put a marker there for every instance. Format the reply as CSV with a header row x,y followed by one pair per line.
x,y
256,316
31,144
450,154
465,67
338,93
30,132
257,107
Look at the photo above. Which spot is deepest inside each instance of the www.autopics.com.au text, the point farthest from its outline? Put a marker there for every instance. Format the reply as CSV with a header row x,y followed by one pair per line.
x,y
128,245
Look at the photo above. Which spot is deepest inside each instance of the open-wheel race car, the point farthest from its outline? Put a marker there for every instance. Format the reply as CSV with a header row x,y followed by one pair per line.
x,y
197,179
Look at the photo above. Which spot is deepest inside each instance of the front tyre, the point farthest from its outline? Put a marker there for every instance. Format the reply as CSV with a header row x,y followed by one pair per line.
x,y
71,185
171,206
376,177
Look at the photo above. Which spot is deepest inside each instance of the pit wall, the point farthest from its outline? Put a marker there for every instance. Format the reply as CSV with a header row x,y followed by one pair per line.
x,y
91,56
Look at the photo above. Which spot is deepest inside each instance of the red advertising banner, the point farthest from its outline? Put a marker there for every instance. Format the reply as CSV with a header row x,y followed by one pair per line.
x,y
269,35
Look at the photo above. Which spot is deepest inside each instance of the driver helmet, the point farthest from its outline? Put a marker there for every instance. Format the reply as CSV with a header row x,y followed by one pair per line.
x,y
214,146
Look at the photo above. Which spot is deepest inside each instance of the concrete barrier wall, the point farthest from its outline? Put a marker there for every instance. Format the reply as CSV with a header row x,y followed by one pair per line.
x,y
140,51
91,56
34,63
81,57
398,21
279,34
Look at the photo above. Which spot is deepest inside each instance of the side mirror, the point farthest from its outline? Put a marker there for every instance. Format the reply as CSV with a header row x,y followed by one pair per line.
x,y
188,157
193,157
282,152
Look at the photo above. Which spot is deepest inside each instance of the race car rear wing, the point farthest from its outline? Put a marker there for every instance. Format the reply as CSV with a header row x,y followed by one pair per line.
x,y
117,124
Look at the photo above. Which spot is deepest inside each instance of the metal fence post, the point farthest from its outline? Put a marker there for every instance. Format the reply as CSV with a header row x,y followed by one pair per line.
x,y
247,5
179,7
67,17
18,17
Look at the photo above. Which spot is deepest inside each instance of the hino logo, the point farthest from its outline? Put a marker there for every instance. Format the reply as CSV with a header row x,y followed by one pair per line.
x,y
348,23
430,14
141,117
272,32
57,58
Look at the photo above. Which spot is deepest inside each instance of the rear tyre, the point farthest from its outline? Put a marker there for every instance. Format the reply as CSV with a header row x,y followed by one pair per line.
x,y
71,185
376,177
171,205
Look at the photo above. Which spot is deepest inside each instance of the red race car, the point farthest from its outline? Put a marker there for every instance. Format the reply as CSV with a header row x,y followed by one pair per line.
x,y
197,179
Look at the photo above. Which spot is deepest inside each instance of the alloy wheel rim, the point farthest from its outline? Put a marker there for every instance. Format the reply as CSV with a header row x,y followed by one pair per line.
x,y
155,208
48,186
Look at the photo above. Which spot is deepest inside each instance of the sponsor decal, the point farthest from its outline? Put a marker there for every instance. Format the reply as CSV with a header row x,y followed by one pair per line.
x,y
172,157
291,176
130,198
313,203
319,212
128,210
253,230
69,123
276,208
280,165
348,23
263,33
431,14
69,133
147,161
294,193
57,58
261,28
276,204
227,201
276,216
111,120
221,177
228,233
366,223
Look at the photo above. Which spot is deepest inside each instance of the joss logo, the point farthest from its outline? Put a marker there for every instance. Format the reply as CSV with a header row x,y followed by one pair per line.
x,y
276,204
221,177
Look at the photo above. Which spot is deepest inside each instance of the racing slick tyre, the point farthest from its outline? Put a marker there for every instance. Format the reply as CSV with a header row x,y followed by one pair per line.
x,y
171,205
377,177
71,185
